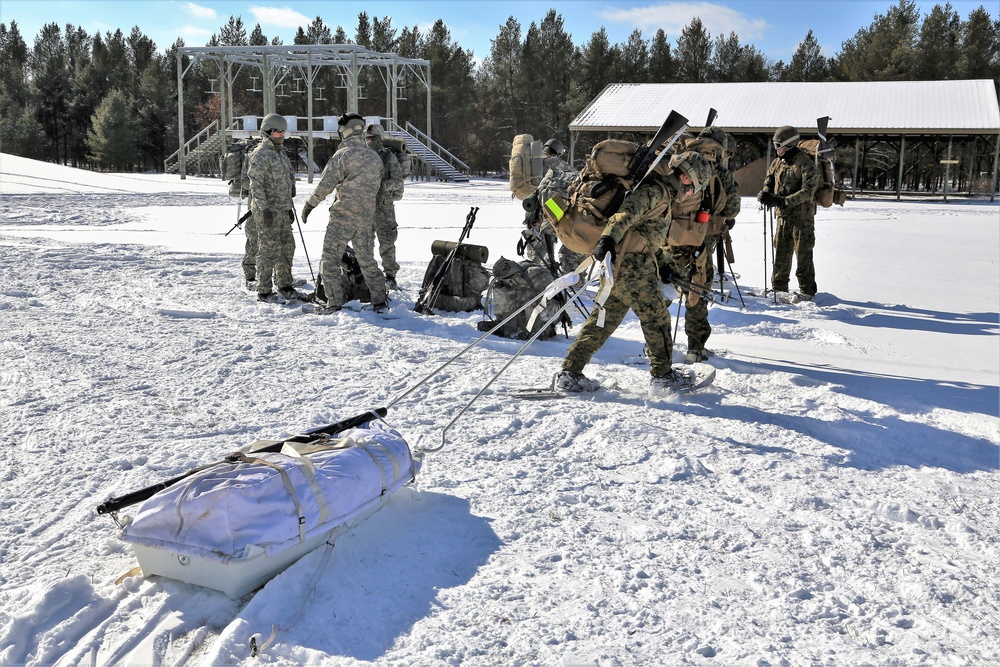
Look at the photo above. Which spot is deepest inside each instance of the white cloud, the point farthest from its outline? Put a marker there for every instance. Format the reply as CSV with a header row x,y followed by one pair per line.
x,y
199,11
191,31
674,16
283,17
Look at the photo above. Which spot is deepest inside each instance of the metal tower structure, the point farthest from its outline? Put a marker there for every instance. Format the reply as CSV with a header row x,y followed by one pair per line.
x,y
305,61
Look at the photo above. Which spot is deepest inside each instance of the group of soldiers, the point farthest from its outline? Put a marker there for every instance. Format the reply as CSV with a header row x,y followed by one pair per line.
x,y
665,231
681,216
368,181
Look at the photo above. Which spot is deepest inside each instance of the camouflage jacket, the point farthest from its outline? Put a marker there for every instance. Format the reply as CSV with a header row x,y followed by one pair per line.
x,y
733,203
391,189
645,212
355,171
795,178
272,180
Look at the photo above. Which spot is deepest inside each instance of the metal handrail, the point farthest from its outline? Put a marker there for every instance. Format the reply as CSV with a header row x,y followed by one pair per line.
x,y
434,146
193,143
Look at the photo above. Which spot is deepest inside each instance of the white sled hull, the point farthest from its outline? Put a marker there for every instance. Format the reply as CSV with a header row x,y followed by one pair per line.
x,y
239,576
236,524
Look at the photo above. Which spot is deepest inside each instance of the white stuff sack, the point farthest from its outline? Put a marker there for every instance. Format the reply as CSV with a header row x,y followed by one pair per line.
x,y
232,510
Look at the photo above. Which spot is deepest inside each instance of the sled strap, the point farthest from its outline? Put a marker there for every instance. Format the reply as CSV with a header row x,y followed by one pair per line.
x,y
308,471
243,458
605,290
554,289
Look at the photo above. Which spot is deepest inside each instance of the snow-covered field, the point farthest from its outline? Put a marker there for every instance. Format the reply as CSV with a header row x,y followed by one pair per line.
x,y
834,498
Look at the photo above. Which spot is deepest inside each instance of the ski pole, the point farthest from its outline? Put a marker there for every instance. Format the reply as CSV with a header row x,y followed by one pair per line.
x,y
766,281
583,267
774,292
732,277
304,249
428,296
591,280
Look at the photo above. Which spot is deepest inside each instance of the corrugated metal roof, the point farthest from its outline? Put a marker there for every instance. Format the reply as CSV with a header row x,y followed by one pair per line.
x,y
875,107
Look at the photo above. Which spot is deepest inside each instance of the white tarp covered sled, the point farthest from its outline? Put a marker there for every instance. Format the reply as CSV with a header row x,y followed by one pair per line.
x,y
237,523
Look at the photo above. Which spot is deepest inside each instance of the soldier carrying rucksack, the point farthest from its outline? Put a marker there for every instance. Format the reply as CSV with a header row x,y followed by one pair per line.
x,y
790,186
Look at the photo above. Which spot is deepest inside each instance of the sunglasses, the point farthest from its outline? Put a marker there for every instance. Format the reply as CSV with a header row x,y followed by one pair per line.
x,y
276,132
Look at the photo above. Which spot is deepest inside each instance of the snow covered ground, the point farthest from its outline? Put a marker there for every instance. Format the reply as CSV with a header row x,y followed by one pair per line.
x,y
834,498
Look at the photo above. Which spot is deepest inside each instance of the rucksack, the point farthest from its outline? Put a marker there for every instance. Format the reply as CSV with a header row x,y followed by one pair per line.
x,y
513,285
351,279
234,164
826,194
594,196
526,165
463,283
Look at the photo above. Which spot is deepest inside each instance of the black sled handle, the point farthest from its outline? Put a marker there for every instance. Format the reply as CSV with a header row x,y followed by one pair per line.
x,y
114,504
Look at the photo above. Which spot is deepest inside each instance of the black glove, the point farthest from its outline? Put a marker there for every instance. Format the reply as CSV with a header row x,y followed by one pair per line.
x,y
291,217
769,200
666,273
730,224
605,246
306,210
267,217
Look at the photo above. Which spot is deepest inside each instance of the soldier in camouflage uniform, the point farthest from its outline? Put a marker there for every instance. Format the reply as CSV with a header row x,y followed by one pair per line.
x,y
639,227
558,175
355,171
789,186
272,186
389,192
696,262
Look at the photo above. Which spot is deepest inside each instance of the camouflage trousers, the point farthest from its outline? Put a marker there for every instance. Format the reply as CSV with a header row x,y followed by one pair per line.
x,y
798,237
387,232
250,249
275,251
361,235
694,263
637,287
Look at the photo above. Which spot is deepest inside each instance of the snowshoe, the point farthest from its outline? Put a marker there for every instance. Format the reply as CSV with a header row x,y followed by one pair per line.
x,y
682,379
574,382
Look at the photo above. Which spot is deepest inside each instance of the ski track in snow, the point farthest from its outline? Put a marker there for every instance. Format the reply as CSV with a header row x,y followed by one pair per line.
x,y
782,517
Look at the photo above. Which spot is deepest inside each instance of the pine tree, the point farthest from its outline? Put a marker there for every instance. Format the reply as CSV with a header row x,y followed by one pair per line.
x,y
633,62
661,62
50,79
553,76
884,51
980,50
808,63
13,69
939,46
112,140
694,53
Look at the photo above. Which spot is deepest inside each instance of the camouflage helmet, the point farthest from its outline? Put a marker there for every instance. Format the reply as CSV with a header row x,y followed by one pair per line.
x,y
349,124
273,121
373,130
555,147
785,136
716,135
694,166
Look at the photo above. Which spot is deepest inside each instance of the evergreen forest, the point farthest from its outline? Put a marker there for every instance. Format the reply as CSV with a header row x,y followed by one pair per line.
x,y
109,101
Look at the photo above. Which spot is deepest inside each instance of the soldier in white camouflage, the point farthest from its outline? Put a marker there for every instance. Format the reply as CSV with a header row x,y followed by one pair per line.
x,y
355,172
272,187
391,191
633,233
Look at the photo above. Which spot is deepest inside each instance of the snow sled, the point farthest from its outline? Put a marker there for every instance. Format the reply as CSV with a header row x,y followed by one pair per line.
x,y
234,524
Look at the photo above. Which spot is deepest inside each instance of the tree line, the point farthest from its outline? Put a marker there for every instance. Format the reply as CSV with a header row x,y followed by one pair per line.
x,y
110,101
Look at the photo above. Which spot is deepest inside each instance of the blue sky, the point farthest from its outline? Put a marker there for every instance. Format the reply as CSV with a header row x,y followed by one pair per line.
x,y
775,27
